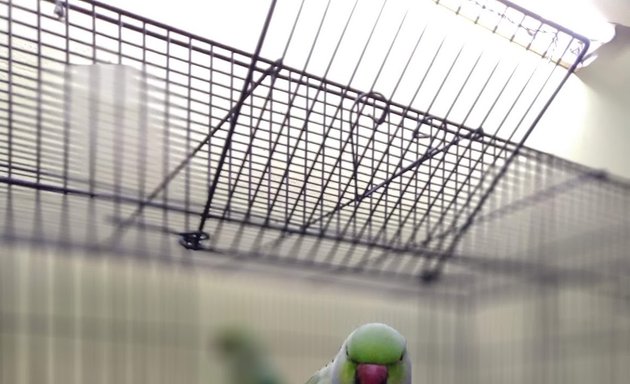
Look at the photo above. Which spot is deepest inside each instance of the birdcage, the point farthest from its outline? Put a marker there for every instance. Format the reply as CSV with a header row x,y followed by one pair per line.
x,y
369,144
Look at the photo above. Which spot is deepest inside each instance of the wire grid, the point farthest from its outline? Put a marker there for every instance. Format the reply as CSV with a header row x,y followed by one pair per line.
x,y
293,165
549,223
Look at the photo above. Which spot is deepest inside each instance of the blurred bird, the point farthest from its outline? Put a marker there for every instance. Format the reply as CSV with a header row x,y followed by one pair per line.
x,y
373,354
245,359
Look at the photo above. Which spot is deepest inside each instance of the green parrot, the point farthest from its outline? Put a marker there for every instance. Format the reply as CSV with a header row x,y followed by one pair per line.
x,y
373,354
237,346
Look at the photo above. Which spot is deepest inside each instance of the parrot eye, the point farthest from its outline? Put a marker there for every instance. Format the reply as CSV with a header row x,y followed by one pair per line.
x,y
348,356
402,355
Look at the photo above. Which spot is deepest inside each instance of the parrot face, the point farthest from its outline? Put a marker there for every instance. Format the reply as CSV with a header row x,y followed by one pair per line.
x,y
372,354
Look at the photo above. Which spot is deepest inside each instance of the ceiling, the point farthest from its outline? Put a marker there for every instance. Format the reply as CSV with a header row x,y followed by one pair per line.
x,y
594,132
609,71
616,11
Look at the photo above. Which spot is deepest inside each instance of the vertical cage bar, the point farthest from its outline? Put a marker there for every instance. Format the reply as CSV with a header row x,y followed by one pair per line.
x,y
234,118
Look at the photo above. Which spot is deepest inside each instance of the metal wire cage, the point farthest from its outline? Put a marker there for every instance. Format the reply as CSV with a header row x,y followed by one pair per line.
x,y
358,138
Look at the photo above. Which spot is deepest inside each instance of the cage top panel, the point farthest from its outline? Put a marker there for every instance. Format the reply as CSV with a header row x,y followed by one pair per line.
x,y
346,146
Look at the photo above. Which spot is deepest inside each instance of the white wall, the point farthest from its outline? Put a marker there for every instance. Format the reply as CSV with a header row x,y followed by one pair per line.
x,y
588,122
554,336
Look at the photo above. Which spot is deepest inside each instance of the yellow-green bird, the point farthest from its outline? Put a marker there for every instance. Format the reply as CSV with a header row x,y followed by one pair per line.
x,y
372,354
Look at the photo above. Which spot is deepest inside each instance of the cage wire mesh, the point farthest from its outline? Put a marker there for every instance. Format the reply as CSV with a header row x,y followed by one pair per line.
x,y
359,146
369,144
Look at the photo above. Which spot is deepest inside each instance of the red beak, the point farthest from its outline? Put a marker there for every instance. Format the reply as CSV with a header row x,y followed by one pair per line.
x,y
371,374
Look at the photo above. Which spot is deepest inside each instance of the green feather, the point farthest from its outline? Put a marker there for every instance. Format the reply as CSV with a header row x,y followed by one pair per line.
x,y
245,360
347,372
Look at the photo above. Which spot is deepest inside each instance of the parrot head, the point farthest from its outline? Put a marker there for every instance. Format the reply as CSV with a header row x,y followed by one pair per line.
x,y
373,354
